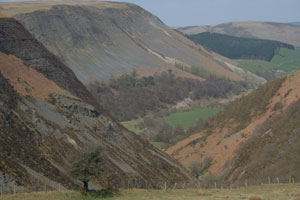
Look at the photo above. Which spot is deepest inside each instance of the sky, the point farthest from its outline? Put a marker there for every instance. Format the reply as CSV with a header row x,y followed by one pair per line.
x,y
212,12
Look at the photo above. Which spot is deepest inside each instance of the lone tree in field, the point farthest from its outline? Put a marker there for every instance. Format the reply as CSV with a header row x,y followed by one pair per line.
x,y
88,167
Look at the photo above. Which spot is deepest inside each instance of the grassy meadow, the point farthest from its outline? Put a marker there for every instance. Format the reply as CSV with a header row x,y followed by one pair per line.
x,y
186,118
286,60
133,125
158,144
265,192
189,118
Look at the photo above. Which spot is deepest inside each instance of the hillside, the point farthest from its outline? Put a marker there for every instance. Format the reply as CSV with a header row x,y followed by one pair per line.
x,y
286,33
111,38
47,117
238,47
253,139
285,61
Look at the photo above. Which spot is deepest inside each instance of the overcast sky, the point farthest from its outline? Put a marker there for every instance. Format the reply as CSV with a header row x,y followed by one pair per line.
x,y
212,12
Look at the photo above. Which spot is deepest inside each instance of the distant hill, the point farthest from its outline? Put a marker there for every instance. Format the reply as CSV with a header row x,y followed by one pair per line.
x,y
255,138
237,47
286,33
295,23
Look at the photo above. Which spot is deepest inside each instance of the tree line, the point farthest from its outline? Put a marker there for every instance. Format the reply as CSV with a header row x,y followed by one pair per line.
x,y
130,96
239,48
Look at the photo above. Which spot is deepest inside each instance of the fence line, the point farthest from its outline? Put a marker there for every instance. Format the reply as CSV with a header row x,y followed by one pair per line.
x,y
15,189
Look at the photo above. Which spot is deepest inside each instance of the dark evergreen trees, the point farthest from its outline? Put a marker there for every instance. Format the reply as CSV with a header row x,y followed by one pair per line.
x,y
237,47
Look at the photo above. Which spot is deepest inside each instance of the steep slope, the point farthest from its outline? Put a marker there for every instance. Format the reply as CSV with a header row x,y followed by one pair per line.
x,y
286,33
255,138
110,38
47,116
2,15
17,41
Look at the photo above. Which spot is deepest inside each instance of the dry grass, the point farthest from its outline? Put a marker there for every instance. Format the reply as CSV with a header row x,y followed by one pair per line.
x,y
15,8
266,192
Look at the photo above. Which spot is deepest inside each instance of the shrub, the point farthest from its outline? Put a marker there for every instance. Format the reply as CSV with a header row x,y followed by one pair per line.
x,y
165,133
278,106
87,167
149,122
198,167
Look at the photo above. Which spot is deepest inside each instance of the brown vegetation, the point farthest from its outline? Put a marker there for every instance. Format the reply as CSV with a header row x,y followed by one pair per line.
x,y
26,80
146,72
253,138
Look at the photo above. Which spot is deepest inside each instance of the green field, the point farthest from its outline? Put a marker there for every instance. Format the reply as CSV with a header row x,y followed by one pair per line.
x,y
286,60
187,119
133,125
157,144
266,192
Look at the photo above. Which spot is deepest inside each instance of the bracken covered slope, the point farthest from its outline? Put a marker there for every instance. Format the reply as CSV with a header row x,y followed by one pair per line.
x,y
47,116
286,33
255,138
98,40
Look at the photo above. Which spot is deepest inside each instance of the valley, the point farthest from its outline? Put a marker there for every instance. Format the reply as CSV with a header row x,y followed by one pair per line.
x,y
99,96
179,125
187,119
